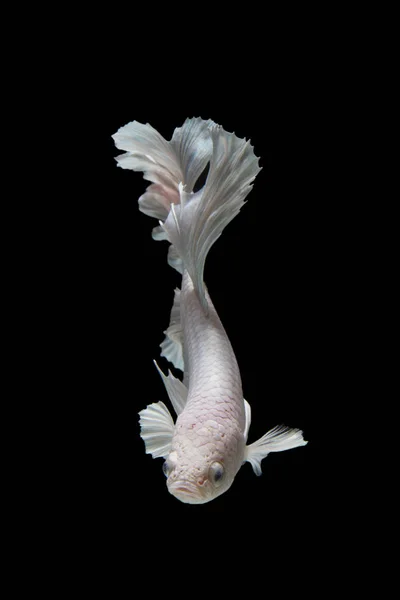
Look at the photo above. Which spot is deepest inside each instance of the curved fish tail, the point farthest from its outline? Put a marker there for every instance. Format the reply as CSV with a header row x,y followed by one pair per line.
x,y
191,221
166,164
198,219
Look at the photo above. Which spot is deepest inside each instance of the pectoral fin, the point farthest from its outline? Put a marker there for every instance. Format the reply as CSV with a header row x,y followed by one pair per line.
x,y
278,439
156,429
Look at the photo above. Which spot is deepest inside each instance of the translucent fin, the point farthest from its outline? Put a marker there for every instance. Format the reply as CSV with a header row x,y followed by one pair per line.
x,y
198,220
157,200
176,391
144,142
193,146
278,439
165,164
156,429
158,234
149,152
171,347
174,260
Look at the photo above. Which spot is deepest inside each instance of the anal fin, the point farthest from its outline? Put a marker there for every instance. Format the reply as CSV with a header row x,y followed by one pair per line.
x,y
171,346
176,390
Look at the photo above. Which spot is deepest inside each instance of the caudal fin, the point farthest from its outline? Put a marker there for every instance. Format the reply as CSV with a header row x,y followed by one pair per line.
x,y
196,222
166,164
190,221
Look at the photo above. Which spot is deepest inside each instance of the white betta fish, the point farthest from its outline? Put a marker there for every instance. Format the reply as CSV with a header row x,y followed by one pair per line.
x,y
206,446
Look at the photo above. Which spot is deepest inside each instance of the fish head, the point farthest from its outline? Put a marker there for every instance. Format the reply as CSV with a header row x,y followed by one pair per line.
x,y
197,481
198,470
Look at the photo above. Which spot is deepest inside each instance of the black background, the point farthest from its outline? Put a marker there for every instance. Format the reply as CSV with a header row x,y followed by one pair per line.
x,y
276,279
298,279
271,276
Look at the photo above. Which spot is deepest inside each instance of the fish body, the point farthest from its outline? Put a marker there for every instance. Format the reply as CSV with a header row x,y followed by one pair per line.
x,y
211,427
207,445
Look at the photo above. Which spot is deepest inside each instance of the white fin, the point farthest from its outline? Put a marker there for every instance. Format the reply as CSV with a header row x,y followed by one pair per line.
x,y
158,234
193,146
156,429
174,260
198,220
247,412
171,347
278,439
176,390
149,152
165,164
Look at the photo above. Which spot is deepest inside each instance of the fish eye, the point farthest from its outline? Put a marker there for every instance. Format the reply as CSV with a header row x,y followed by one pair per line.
x,y
216,473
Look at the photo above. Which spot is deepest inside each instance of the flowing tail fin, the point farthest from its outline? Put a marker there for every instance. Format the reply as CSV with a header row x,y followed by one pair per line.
x,y
166,165
190,221
196,222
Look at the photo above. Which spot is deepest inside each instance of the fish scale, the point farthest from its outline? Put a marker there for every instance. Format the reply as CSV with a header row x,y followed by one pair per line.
x,y
215,390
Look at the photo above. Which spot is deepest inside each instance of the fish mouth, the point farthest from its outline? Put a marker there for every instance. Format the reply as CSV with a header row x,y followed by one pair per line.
x,y
186,492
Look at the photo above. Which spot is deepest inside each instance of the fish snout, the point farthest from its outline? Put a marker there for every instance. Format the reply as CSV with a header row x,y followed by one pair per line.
x,y
188,492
